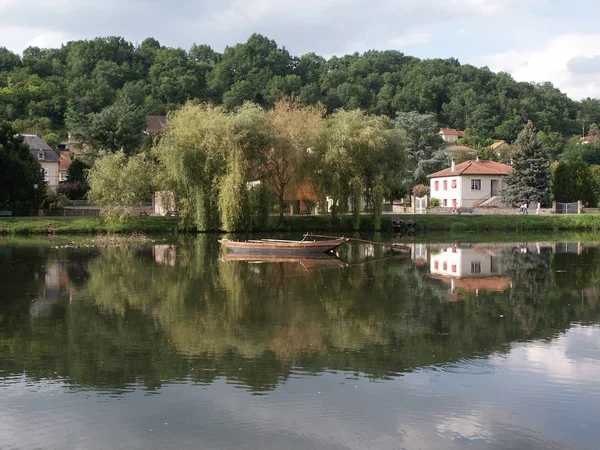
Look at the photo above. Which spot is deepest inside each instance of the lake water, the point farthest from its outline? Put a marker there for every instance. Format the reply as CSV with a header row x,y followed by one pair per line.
x,y
453,345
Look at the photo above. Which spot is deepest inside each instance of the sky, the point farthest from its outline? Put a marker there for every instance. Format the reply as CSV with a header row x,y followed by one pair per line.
x,y
534,40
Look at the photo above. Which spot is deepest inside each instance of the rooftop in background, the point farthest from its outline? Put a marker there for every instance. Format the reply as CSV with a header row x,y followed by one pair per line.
x,y
155,124
460,148
495,145
474,167
37,145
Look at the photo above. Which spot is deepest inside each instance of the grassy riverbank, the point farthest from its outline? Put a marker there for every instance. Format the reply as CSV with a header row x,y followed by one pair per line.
x,y
427,222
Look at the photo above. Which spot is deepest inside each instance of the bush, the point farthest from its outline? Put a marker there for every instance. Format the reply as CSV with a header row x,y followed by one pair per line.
x,y
54,200
420,190
74,190
434,202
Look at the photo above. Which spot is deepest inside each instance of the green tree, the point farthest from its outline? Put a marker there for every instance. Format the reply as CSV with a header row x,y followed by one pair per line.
x,y
51,139
19,173
118,184
425,151
117,127
529,180
355,145
574,181
77,170
294,130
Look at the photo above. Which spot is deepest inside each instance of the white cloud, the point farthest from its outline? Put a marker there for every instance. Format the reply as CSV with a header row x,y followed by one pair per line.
x,y
412,38
331,27
554,63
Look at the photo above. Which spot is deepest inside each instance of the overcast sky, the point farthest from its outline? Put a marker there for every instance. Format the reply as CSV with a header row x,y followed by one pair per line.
x,y
535,40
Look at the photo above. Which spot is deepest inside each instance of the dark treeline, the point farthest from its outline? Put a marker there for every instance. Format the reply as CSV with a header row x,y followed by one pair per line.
x,y
41,89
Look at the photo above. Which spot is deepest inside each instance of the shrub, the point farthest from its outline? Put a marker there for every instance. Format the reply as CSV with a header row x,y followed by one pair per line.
x,y
434,202
74,190
420,190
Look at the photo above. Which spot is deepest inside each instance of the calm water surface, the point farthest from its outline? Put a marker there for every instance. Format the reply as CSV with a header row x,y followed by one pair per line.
x,y
176,346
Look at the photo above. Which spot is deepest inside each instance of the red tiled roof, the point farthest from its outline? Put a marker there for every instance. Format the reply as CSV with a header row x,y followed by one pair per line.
x,y
471,284
460,133
457,148
474,167
495,145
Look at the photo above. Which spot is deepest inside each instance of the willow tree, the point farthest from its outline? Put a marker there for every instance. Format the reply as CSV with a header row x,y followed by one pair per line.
x,y
294,130
193,155
118,184
357,146
207,156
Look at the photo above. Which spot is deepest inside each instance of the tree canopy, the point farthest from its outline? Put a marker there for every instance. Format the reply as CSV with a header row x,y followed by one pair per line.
x,y
21,175
39,87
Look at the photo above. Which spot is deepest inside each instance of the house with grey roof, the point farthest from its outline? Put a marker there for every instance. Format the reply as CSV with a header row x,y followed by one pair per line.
x,y
47,158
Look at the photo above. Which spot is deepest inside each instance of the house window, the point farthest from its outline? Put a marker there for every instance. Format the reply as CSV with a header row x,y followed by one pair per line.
x,y
453,202
445,185
454,268
475,267
46,177
40,155
436,265
476,184
453,184
445,265
445,202
437,185
63,176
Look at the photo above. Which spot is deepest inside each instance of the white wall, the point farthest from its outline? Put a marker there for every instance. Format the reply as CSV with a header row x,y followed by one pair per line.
x,y
465,262
449,194
470,197
51,170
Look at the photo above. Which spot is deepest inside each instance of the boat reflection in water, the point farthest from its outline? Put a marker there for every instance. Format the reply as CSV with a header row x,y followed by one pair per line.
x,y
312,261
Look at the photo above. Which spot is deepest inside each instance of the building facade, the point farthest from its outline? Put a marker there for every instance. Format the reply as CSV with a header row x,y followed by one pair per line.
x,y
468,184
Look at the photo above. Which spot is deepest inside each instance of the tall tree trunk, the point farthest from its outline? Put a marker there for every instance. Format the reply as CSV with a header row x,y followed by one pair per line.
x,y
281,205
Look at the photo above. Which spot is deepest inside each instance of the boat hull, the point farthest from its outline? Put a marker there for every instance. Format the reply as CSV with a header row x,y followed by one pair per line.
x,y
282,247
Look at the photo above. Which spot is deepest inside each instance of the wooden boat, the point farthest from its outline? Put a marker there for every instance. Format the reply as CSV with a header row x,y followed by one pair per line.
x,y
282,247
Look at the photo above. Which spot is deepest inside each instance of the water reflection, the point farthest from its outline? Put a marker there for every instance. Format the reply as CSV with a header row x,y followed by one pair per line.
x,y
175,311
453,344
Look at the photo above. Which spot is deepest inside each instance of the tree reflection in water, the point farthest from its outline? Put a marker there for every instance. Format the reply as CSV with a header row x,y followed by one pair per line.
x,y
123,316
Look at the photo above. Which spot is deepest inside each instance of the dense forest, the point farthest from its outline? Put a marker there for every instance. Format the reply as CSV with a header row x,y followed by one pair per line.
x,y
43,89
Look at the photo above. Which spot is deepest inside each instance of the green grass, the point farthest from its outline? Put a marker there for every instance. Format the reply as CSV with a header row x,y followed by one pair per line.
x,y
84,225
425,223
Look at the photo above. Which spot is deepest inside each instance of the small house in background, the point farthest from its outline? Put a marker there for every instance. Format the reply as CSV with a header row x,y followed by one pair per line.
x,y
155,124
498,146
450,135
47,158
590,139
455,151
469,183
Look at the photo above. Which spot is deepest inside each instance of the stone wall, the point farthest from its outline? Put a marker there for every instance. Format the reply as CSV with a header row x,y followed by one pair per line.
x,y
488,211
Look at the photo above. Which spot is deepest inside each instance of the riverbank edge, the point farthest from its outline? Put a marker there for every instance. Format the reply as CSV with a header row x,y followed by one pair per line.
x,y
425,222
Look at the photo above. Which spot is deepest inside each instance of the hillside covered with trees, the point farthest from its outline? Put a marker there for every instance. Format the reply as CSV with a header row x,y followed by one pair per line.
x,y
53,90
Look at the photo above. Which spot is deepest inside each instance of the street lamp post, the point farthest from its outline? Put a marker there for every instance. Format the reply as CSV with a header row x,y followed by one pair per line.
x,y
35,187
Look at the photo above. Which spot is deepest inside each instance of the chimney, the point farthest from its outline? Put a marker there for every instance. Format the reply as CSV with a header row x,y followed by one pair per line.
x,y
453,165
477,159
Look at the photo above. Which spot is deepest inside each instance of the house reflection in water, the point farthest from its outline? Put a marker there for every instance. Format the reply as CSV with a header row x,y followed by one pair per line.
x,y
469,269
165,254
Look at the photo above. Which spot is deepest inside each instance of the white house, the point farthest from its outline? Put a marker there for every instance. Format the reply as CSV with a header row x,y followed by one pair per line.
x,y
47,158
469,183
450,135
